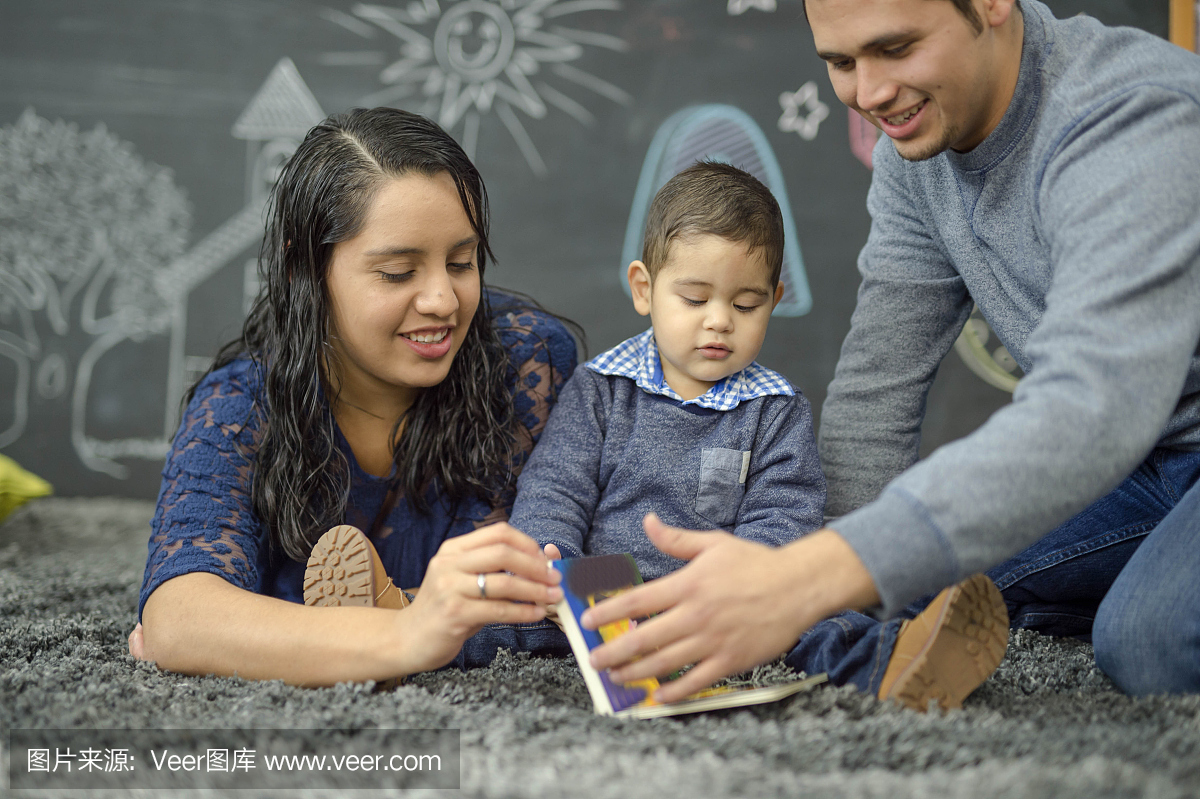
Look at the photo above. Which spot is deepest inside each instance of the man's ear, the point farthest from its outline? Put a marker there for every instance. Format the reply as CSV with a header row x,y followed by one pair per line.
x,y
639,287
778,294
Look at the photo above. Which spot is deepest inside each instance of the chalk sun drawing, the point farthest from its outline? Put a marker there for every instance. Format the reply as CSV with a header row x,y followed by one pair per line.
x,y
807,124
467,59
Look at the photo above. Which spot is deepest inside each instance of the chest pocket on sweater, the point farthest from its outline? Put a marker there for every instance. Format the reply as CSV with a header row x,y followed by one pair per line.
x,y
722,484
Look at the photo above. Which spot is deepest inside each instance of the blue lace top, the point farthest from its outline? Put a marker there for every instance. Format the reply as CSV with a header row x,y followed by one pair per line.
x,y
205,519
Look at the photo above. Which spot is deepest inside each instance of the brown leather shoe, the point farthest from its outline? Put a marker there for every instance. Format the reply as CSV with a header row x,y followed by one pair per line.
x,y
948,650
344,569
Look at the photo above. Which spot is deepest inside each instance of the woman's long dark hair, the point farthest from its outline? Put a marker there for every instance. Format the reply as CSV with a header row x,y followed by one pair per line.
x,y
458,433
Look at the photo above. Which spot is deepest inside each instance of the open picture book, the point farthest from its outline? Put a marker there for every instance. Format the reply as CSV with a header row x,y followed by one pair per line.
x,y
587,581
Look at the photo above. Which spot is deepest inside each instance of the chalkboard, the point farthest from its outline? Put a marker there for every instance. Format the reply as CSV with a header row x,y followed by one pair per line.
x,y
138,139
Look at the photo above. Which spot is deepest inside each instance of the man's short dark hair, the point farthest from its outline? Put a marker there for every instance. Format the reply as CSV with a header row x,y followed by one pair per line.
x,y
965,7
716,199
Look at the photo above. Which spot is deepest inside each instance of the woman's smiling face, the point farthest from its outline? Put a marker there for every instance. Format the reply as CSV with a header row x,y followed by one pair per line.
x,y
402,292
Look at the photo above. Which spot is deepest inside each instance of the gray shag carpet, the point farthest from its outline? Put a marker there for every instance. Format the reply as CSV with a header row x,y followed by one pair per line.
x,y
1047,724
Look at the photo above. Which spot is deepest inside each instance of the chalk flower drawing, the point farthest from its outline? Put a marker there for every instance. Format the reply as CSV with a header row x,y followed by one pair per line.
x,y
736,7
815,111
470,58
88,233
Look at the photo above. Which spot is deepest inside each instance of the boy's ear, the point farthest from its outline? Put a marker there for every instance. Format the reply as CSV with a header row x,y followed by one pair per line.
x,y
639,287
778,295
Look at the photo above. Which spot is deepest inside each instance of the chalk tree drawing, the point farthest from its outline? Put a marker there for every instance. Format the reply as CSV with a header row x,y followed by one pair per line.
x,y
804,100
470,58
92,253
88,234
736,7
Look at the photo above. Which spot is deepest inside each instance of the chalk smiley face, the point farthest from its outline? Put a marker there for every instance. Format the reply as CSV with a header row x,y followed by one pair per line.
x,y
475,40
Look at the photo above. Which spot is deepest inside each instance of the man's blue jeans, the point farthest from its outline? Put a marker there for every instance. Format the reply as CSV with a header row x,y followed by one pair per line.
x,y
1123,574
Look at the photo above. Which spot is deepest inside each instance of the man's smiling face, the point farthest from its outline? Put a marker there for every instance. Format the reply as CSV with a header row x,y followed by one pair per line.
x,y
919,70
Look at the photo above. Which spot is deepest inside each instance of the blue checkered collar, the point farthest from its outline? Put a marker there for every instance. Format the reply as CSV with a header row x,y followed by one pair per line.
x,y
637,359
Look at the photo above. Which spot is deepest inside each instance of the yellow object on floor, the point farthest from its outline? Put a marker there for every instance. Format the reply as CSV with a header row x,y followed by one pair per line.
x,y
18,486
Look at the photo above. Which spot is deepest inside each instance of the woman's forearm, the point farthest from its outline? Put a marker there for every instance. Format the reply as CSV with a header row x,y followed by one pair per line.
x,y
200,624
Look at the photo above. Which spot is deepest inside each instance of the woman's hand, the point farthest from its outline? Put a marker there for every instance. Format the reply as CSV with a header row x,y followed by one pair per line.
x,y
450,608
199,623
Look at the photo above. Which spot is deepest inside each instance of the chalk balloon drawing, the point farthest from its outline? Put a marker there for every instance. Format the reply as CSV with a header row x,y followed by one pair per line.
x,y
863,137
465,60
729,135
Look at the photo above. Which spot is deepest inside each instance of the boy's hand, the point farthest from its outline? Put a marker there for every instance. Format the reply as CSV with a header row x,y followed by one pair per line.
x,y
736,605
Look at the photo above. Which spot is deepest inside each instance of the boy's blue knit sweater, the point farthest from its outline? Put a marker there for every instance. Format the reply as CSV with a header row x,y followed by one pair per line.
x,y
613,452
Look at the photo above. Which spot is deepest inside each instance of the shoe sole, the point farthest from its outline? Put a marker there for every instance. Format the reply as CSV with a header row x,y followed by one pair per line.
x,y
340,570
970,638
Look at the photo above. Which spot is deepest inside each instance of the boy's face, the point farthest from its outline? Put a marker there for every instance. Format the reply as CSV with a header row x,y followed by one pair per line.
x,y
709,305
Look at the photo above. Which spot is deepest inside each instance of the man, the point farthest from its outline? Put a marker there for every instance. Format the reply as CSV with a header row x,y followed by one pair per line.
x,y
1049,171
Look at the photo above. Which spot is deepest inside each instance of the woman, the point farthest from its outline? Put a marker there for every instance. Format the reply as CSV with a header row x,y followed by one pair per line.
x,y
376,384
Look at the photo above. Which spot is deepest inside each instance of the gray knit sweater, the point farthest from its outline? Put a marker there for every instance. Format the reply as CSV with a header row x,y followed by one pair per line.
x,y
612,452
1075,226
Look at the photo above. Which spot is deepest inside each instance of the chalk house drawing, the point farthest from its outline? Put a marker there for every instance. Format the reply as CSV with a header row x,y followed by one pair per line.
x,y
467,59
736,7
93,253
729,135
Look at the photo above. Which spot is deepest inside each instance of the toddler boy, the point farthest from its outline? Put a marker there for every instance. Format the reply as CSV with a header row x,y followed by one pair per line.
x,y
680,420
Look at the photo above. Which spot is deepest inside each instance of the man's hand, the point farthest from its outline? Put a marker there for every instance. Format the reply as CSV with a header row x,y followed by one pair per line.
x,y
736,605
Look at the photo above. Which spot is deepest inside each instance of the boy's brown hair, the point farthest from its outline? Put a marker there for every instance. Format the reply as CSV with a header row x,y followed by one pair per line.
x,y
716,199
